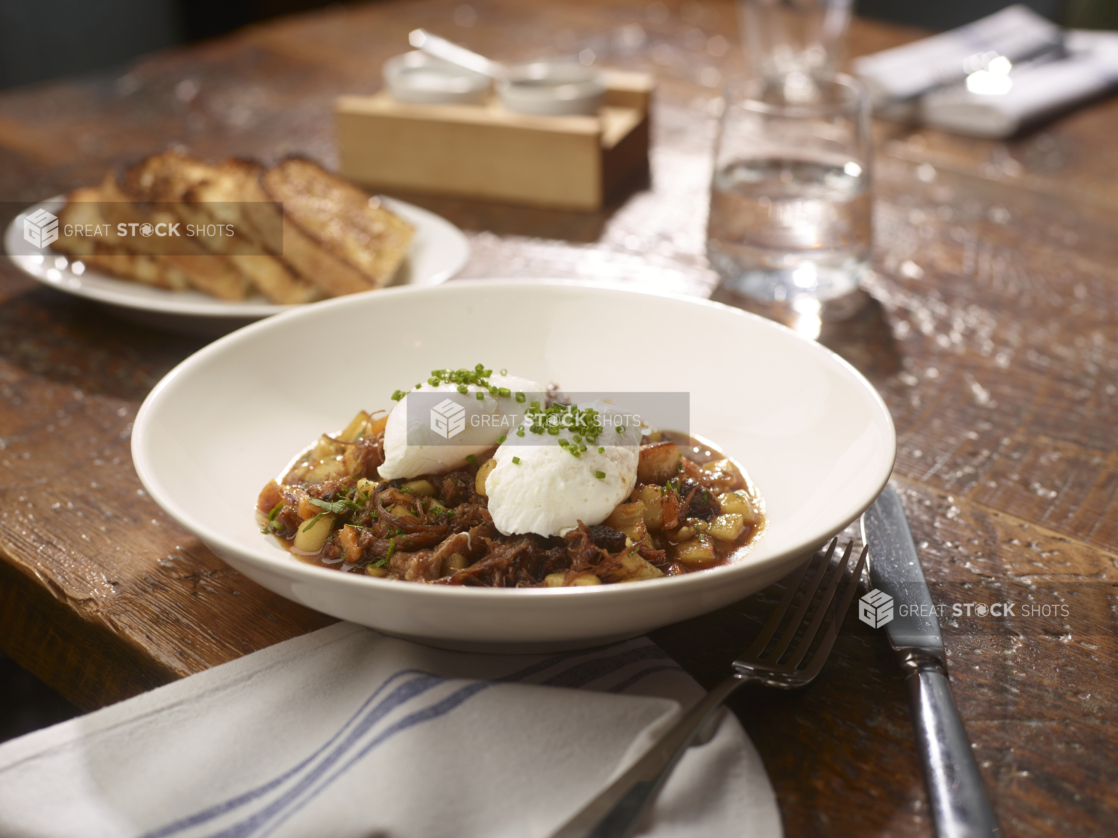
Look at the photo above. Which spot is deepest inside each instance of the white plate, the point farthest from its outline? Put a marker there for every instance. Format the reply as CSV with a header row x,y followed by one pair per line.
x,y
813,434
438,251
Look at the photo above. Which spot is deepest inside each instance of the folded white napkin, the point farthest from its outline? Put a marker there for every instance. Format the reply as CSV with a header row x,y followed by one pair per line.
x,y
904,72
346,732
1031,93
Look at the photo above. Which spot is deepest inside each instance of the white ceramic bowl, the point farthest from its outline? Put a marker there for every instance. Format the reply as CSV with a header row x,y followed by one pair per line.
x,y
423,79
813,434
547,88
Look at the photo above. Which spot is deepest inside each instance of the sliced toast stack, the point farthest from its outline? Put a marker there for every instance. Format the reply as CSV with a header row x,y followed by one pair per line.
x,y
293,232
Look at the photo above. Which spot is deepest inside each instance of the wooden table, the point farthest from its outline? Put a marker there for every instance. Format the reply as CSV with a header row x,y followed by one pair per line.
x,y
992,335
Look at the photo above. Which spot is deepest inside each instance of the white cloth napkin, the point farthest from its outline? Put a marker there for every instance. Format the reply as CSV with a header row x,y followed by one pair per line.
x,y
910,70
346,732
1035,92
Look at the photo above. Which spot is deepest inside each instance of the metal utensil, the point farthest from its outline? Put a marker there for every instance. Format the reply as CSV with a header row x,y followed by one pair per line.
x,y
960,808
439,47
616,811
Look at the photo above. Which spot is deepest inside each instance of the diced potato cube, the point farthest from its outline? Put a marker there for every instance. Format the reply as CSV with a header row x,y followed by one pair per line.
x,y
625,515
629,519
698,550
352,459
718,465
727,527
310,537
554,580
325,470
680,535
376,425
325,447
697,524
376,571
364,485
355,429
453,562
400,511
638,568
586,579
482,474
658,462
419,488
721,475
739,503
269,497
651,497
348,539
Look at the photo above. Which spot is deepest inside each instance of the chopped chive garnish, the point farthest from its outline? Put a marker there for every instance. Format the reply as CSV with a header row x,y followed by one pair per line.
x,y
554,431
601,451
462,388
516,460
504,391
621,429
535,404
504,372
501,439
564,443
471,459
520,398
520,432
391,549
480,396
577,437
434,382
397,395
601,475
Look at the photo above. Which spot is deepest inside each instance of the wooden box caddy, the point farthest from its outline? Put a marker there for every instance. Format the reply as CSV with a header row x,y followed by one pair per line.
x,y
484,151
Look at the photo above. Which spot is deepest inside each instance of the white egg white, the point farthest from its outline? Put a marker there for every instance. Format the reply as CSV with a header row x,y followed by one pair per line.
x,y
550,489
413,448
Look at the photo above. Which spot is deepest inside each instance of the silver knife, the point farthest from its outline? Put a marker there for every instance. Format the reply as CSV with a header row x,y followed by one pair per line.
x,y
956,796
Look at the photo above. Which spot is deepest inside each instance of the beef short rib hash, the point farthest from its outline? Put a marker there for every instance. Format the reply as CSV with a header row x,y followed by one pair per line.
x,y
545,493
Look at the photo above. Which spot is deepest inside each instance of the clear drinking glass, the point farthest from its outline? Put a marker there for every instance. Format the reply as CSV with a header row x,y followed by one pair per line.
x,y
795,36
791,196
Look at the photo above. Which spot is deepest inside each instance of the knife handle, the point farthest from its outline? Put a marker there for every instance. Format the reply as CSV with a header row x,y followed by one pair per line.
x,y
960,808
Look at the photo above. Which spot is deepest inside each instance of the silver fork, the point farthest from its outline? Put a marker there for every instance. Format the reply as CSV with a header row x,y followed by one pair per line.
x,y
617,809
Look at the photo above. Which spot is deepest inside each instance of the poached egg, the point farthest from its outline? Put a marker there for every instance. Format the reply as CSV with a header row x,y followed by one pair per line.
x,y
435,427
539,486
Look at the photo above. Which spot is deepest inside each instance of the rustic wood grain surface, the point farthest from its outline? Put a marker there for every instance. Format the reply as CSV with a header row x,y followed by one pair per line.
x,y
992,334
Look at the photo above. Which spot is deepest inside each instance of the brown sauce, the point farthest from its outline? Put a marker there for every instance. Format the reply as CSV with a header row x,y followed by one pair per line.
x,y
693,508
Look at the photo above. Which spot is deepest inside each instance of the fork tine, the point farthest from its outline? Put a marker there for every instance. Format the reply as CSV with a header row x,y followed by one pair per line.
x,y
758,646
805,603
824,648
804,644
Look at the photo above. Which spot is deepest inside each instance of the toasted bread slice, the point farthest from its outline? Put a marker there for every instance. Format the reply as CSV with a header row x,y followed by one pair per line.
x,y
105,250
221,201
145,193
334,233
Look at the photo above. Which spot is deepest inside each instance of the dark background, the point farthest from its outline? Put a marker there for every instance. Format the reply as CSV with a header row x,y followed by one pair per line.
x,y
45,39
